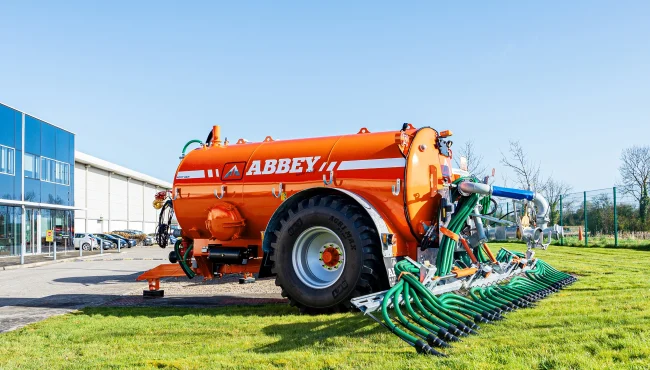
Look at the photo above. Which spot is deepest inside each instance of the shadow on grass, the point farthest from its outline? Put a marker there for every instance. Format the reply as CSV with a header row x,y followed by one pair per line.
x,y
295,334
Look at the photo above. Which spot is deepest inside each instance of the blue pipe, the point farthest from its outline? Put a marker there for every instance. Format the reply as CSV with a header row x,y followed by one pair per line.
x,y
499,191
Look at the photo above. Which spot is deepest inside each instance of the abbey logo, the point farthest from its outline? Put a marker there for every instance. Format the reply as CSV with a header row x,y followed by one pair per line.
x,y
233,171
282,165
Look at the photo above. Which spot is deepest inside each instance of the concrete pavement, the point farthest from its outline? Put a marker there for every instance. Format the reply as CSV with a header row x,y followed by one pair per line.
x,y
29,295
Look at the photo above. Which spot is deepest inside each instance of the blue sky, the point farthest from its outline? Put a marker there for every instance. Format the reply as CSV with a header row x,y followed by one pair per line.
x,y
136,80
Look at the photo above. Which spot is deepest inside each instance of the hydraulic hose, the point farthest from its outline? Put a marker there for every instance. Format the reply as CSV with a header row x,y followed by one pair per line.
x,y
194,141
183,261
419,315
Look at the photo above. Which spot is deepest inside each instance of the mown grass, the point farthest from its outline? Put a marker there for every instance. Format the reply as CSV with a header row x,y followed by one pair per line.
x,y
602,321
606,241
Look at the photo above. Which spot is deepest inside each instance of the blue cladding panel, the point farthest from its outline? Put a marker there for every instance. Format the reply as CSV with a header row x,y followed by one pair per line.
x,y
7,127
48,141
7,190
41,140
10,136
32,135
48,193
33,190
498,191
62,145
63,195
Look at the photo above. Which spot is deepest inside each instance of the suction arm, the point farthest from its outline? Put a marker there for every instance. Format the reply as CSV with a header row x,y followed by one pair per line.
x,y
468,187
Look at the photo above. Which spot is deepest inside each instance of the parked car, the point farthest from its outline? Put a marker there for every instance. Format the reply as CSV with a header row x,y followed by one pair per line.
x,y
149,240
84,241
112,238
106,243
130,242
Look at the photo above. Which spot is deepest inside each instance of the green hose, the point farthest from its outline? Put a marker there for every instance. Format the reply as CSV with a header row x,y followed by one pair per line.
x,y
195,141
183,261
437,319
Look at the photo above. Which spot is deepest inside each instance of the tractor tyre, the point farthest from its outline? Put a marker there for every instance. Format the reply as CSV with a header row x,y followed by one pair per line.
x,y
326,251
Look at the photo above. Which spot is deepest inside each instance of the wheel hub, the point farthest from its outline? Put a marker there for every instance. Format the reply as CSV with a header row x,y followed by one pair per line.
x,y
331,256
318,257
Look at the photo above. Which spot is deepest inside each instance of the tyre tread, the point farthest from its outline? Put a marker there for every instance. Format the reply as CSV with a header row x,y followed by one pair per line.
x,y
372,277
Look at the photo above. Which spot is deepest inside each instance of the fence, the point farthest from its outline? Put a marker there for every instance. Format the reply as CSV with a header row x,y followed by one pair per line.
x,y
604,217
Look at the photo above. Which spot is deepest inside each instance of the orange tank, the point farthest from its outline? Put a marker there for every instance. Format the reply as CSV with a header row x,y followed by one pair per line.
x,y
231,191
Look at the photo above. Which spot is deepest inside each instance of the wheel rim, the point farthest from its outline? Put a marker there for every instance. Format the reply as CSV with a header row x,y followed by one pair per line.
x,y
85,247
318,257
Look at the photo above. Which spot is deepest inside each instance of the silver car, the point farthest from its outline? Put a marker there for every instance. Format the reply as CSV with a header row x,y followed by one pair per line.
x,y
85,242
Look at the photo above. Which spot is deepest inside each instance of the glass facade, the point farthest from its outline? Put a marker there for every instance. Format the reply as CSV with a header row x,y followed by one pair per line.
x,y
51,153
11,137
10,230
47,167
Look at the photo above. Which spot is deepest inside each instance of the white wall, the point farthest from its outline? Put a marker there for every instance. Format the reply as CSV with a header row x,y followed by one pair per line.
x,y
128,204
79,197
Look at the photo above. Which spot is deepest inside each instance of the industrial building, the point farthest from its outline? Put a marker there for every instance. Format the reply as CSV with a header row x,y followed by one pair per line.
x,y
46,185
111,197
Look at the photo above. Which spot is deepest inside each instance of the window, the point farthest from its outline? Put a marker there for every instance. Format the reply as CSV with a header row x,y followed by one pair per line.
x,y
55,171
32,166
7,157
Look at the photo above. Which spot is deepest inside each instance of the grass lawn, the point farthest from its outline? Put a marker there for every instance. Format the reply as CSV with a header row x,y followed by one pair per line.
x,y
602,321
605,241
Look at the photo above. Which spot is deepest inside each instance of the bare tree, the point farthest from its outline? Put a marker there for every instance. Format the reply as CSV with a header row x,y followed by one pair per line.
x,y
474,160
526,172
552,191
635,171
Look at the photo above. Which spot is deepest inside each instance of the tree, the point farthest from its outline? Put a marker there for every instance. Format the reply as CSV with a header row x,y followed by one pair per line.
x,y
552,191
474,160
635,172
526,172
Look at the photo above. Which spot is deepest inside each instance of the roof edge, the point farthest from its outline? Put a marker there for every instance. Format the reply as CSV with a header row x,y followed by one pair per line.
x,y
40,119
88,159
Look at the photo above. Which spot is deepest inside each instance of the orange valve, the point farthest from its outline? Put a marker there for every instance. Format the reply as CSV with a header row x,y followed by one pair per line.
x,y
489,253
445,133
468,250
465,272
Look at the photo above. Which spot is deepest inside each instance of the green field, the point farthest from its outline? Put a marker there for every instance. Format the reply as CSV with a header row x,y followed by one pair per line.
x,y
602,321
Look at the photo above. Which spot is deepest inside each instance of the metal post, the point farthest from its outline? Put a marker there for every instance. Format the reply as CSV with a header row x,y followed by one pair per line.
x,y
55,249
101,246
615,221
585,213
81,248
561,223
23,221
23,235
507,210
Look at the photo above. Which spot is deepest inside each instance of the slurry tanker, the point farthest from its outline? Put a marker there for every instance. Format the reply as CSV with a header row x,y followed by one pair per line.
x,y
375,221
